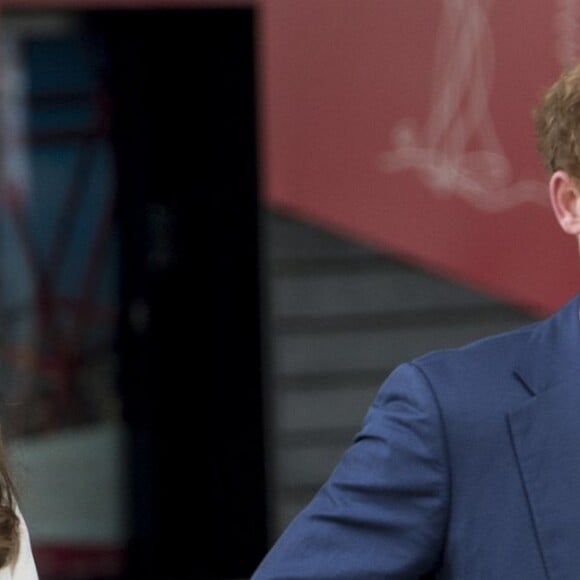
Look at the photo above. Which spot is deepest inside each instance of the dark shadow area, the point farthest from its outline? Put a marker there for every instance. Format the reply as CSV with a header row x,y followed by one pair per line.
x,y
182,87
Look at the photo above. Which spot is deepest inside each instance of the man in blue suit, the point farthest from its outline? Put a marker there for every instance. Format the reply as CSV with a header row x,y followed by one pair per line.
x,y
467,465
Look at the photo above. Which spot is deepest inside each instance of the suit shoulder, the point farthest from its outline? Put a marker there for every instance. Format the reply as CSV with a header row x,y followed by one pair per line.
x,y
475,383
496,351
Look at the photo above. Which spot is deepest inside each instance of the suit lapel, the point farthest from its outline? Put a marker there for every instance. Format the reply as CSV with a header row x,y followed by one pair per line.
x,y
546,437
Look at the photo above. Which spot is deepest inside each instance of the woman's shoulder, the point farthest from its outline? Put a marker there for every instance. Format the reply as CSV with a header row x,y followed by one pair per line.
x,y
25,567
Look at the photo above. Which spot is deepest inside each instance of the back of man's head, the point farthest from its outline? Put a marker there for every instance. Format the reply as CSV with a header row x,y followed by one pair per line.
x,y
557,124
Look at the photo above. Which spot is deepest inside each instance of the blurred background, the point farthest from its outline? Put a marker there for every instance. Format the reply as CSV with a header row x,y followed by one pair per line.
x,y
222,225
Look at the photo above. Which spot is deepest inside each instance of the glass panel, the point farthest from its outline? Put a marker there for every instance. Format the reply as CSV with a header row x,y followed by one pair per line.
x,y
58,298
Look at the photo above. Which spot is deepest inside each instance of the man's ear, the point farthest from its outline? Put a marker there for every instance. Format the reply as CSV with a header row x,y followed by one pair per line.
x,y
565,198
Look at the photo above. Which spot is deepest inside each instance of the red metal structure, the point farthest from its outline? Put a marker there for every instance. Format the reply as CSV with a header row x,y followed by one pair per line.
x,y
59,352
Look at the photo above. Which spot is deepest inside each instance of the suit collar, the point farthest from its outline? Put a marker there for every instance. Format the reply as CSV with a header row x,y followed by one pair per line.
x,y
546,438
552,352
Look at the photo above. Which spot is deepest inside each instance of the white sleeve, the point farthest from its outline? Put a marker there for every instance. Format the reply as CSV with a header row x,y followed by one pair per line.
x,y
24,568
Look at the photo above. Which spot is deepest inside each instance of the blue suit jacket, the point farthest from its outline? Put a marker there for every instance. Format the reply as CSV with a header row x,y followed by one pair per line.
x,y
467,467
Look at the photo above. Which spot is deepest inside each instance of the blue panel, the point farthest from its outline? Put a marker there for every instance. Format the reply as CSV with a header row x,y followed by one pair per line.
x,y
61,65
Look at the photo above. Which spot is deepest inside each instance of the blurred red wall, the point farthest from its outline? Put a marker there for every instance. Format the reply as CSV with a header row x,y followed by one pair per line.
x,y
407,125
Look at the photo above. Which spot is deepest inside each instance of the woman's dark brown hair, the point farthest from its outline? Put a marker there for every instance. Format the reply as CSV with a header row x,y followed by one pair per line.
x,y
9,521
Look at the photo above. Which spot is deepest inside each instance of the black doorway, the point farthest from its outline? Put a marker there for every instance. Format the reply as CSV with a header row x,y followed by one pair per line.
x,y
183,113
